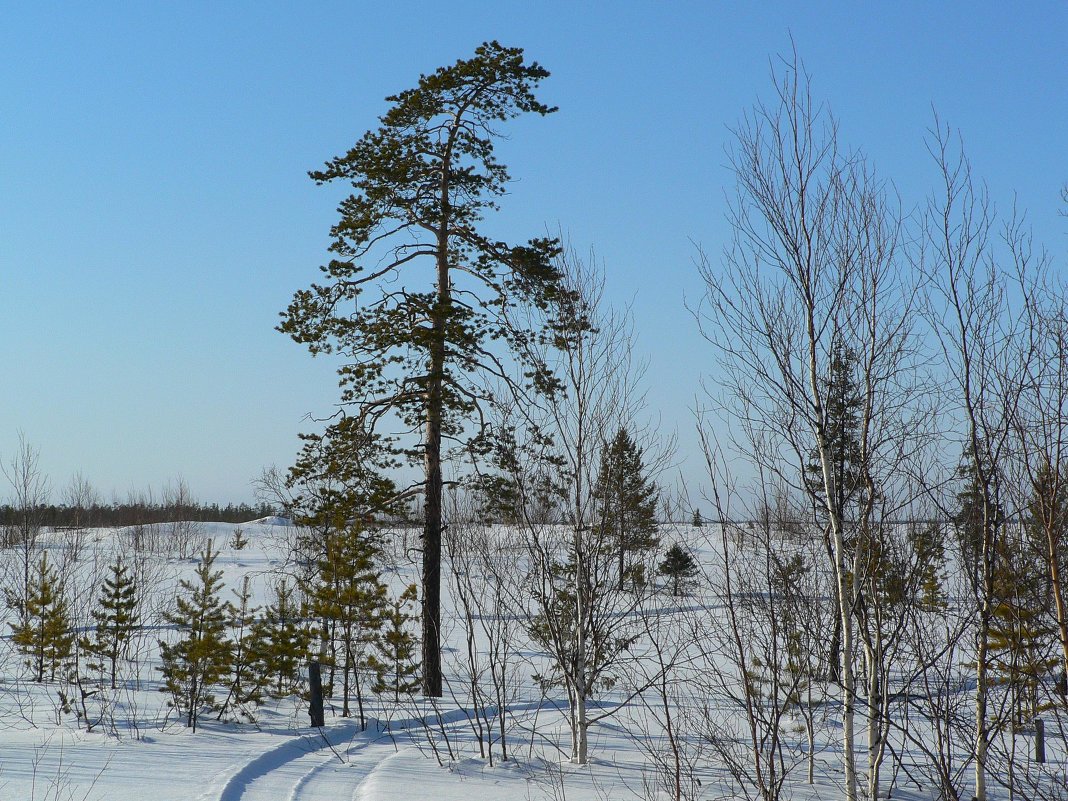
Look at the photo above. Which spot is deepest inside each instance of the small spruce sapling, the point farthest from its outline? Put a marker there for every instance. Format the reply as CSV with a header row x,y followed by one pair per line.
x,y
281,641
930,559
116,619
246,677
394,665
43,634
239,541
201,657
679,567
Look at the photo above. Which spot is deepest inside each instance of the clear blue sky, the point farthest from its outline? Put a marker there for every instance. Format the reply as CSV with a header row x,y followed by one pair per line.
x,y
155,213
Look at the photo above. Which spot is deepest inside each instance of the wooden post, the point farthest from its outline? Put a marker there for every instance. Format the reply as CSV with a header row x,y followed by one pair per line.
x,y
1040,741
315,686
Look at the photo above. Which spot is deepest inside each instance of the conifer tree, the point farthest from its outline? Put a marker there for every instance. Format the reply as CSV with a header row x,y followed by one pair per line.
x,y
43,632
423,181
116,619
1047,531
627,503
679,566
393,662
239,541
930,558
246,678
1047,523
281,642
698,521
972,506
842,489
1020,656
842,434
348,596
1021,628
202,655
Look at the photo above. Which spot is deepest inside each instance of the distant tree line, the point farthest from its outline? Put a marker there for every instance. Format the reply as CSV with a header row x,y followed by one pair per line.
x,y
134,513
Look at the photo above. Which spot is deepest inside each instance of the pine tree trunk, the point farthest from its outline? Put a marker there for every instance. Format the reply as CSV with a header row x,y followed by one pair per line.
x,y
432,505
191,717
346,671
431,605
359,700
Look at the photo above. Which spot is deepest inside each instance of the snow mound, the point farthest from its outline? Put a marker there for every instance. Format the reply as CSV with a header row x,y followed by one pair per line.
x,y
270,520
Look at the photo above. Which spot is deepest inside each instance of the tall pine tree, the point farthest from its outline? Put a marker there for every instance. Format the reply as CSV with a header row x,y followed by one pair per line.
x,y
423,182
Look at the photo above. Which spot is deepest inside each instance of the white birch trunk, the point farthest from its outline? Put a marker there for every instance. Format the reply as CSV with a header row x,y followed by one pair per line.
x,y
849,765
873,657
579,721
845,593
981,733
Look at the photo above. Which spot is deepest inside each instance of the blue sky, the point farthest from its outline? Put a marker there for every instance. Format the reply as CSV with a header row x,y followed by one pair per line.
x,y
155,214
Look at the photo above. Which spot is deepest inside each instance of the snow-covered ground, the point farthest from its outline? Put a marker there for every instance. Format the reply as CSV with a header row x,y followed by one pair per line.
x,y
148,754
411,749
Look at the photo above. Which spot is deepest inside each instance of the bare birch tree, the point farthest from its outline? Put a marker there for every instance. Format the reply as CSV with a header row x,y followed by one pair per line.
x,y
577,611
757,658
984,360
813,266
484,573
1041,424
30,490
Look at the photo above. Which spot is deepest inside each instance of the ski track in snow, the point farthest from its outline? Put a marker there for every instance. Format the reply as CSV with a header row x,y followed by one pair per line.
x,y
302,768
331,780
307,768
365,789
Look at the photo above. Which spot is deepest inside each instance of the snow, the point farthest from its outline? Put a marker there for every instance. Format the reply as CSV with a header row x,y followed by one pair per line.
x,y
148,754
271,520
